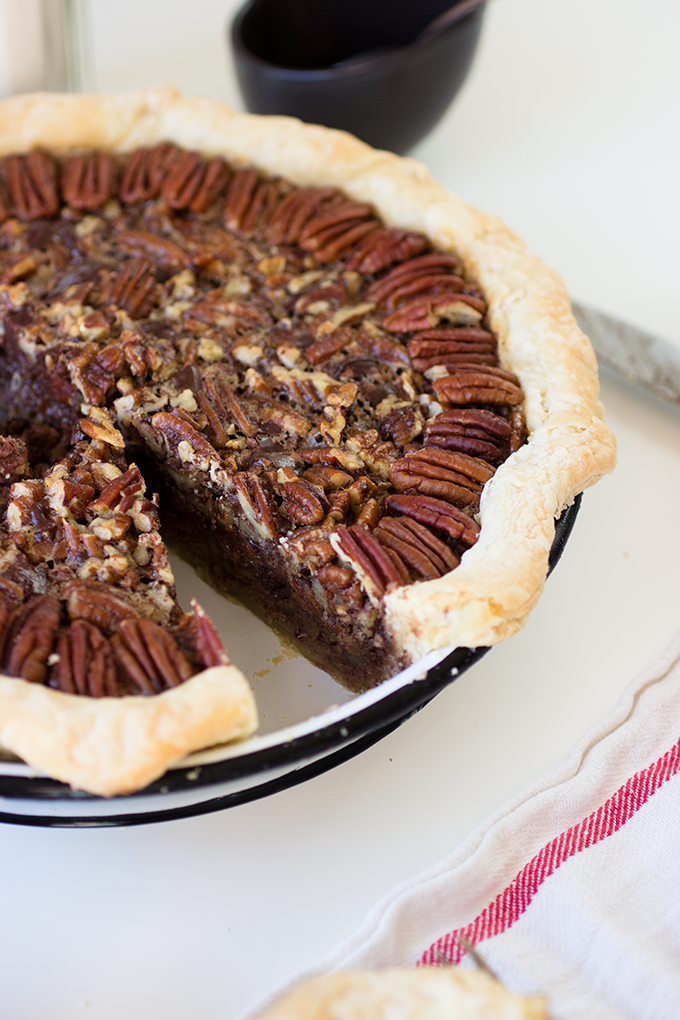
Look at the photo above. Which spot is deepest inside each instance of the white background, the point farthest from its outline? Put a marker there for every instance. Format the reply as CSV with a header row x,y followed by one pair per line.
x,y
567,127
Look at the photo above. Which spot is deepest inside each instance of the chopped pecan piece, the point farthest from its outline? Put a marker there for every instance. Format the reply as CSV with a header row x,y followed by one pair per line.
x,y
436,514
478,385
120,492
32,184
29,638
149,657
87,182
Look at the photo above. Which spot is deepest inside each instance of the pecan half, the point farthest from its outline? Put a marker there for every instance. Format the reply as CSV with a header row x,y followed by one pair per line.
x,y
239,197
134,289
460,309
29,638
478,385
471,430
184,179
144,172
255,219
257,503
373,565
445,474
87,182
436,514
183,440
422,552
104,608
296,210
86,664
385,246
337,229
209,648
301,504
160,249
149,657
32,183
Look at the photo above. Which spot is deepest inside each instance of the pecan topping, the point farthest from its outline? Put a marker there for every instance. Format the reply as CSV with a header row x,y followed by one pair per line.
x,y
32,183
460,309
183,180
102,607
478,385
442,473
471,430
373,565
120,492
87,181
452,346
301,504
426,555
134,289
239,197
162,249
29,638
335,230
213,178
436,514
149,657
183,440
145,171
296,210
86,664
385,246
208,645
257,503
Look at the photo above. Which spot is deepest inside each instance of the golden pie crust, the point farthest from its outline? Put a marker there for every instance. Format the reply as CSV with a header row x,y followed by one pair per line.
x,y
443,993
490,595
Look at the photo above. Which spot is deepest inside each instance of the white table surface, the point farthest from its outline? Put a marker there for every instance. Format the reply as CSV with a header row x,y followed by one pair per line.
x,y
568,127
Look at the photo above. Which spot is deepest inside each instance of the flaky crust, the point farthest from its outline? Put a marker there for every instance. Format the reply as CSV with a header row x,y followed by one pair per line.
x,y
111,746
500,579
444,993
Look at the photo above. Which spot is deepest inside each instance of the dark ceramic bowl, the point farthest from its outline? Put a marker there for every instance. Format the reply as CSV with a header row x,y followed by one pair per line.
x,y
370,67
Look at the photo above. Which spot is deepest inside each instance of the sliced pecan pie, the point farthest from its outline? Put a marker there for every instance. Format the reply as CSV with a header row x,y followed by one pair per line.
x,y
331,371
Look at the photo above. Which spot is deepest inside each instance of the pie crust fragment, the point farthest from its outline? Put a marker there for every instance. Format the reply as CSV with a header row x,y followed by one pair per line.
x,y
490,594
427,993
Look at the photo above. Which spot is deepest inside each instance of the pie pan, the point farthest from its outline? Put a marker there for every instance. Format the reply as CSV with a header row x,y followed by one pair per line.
x,y
270,761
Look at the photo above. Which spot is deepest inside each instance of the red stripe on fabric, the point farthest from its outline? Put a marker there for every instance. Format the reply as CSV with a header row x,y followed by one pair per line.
x,y
510,904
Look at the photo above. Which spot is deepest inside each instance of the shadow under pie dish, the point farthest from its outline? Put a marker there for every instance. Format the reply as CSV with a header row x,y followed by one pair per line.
x,y
331,370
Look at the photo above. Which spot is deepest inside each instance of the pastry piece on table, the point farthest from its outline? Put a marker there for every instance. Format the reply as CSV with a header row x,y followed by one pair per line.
x,y
426,993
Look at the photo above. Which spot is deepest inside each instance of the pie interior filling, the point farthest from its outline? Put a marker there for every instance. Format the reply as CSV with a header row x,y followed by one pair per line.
x,y
310,398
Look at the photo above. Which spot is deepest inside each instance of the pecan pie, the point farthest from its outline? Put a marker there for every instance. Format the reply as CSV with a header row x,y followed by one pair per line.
x,y
361,402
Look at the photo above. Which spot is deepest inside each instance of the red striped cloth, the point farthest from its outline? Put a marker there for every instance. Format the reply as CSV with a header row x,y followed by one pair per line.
x,y
573,889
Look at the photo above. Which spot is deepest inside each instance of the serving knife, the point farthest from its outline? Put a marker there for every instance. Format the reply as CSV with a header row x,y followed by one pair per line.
x,y
642,358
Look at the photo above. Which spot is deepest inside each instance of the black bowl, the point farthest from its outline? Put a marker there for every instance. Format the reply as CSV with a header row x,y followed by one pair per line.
x,y
359,65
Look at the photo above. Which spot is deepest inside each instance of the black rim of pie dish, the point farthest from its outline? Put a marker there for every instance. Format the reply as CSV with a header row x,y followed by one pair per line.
x,y
329,745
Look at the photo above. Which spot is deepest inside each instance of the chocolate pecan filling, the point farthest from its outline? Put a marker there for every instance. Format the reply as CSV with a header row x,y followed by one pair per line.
x,y
317,397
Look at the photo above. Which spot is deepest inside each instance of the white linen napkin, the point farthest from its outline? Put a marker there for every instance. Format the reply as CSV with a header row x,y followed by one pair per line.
x,y
573,889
